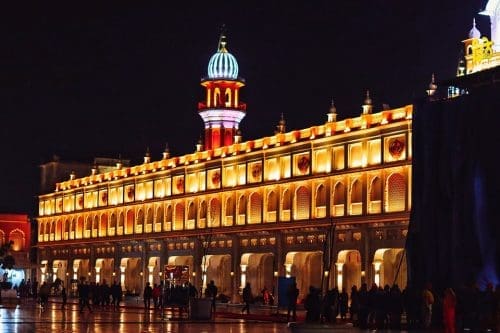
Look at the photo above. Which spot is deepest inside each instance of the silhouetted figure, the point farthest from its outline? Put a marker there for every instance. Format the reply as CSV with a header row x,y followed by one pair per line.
x,y
44,294
343,304
147,294
116,295
292,294
395,307
364,310
64,297
354,308
84,295
211,292
247,298
312,304
411,305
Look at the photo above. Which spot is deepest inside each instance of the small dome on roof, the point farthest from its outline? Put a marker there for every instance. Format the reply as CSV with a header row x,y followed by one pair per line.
x,y
222,64
474,32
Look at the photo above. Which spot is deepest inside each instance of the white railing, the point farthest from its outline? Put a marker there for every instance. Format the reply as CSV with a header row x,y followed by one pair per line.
x,y
285,215
271,216
321,211
338,210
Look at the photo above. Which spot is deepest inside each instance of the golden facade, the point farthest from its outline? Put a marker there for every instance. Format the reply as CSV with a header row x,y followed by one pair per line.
x,y
251,211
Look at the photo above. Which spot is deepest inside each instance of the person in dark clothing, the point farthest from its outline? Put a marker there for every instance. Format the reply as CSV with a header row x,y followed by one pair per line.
x,y
363,306
247,298
211,292
84,295
116,295
354,308
395,307
372,305
147,294
293,294
312,304
330,305
343,304
64,297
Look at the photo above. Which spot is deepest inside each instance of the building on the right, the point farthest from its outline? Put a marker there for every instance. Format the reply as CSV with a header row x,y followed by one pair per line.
x,y
453,230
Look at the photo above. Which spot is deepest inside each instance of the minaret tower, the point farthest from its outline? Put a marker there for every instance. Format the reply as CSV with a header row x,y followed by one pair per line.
x,y
222,110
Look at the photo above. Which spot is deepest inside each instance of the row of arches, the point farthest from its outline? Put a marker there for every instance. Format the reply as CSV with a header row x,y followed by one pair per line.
x,y
386,266
305,201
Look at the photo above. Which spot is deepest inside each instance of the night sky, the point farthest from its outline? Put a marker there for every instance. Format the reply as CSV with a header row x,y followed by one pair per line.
x,y
103,79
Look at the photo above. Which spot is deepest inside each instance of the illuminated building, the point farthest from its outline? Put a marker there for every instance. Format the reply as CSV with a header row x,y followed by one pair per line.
x,y
237,212
16,228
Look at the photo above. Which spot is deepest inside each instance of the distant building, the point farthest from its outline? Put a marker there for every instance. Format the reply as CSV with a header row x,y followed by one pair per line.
x,y
17,228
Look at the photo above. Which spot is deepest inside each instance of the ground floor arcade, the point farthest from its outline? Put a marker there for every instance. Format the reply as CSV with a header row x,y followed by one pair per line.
x,y
350,258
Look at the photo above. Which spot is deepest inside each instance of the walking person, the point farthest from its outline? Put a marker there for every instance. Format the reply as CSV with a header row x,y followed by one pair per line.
x,y
343,304
84,295
312,304
64,297
293,294
211,292
147,294
116,295
156,295
247,298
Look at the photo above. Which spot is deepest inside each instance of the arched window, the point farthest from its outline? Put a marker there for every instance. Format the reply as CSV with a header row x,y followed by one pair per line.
x,y
121,225
229,211
255,208
320,201
179,216
58,231
103,229
242,209
191,211
356,198
67,226
129,227
88,228
79,227
302,203
214,217
227,96
167,226
95,227
139,226
160,218
272,206
202,220
375,196
112,225
18,240
149,220
396,193
286,200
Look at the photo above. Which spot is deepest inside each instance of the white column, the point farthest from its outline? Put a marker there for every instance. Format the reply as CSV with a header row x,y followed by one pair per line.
x,y
243,275
339,265
54,275
122,276
97,274
376,265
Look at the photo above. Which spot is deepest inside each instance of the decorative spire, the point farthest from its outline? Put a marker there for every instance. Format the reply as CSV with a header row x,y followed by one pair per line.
x,y
147,156
119,163
281,127
222,39
332,114
94,169
367,106
432,86
474,32
72,175
166,152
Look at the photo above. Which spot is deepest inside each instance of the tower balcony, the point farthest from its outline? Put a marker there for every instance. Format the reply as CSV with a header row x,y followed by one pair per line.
x,y
203,106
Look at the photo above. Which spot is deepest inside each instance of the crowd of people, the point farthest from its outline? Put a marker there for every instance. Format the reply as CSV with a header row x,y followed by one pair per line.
x,y
378,307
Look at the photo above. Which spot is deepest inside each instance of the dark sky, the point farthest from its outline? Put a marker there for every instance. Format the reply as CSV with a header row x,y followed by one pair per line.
x,y
109,78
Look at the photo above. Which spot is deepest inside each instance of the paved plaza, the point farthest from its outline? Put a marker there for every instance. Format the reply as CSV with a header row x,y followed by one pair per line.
x,y
27,316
